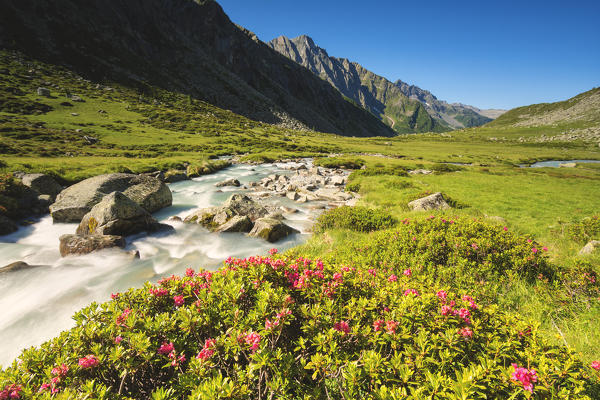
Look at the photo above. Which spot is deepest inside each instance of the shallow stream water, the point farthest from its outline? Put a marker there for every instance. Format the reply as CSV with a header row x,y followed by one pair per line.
x,y
37,304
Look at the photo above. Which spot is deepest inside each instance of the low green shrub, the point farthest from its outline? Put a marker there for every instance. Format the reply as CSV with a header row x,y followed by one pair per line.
x,y
381,170
460,253
584,230
446,167
360,219
269,327
206,167
353,187
339,162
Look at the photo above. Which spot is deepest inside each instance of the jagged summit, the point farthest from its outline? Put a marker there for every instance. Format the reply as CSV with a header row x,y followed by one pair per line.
x,y
405,107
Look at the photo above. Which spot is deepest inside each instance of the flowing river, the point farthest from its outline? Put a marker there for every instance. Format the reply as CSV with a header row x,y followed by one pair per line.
x,y
37,304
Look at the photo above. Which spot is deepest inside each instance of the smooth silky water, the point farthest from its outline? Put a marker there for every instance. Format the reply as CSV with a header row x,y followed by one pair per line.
x,y
37,304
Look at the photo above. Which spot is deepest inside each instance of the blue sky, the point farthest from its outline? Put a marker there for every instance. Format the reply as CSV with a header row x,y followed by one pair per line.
x,y
487,54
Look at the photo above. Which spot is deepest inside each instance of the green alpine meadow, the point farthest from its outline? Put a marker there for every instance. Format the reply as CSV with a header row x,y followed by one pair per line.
x,y
191,210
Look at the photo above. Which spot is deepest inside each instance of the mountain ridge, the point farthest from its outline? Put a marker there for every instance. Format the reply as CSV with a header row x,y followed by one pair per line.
x,y
183,46
375,93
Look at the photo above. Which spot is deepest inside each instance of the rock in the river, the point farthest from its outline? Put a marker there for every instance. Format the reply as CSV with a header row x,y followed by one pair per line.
x,y
42,183
77,244
271,229
175,175
237,223
117,214
228,182
240,204
17,266
590,247
420,172
77,200
433,202
292,195
7,225
568,165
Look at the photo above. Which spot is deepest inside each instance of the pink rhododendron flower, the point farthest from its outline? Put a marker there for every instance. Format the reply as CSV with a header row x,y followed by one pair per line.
x,y
115,295
474,245
338,277
596,365
390,326
408,292
372,272
178,301
118,339
60,371
189,272
44,387
534,250
545,248
392,278
505,228
159,292
121,318
464,314
446,310
88,361
11,392
377,325
207,351
166,348
466,333
273,251
527,377
253,340
407,272
442,295
342,326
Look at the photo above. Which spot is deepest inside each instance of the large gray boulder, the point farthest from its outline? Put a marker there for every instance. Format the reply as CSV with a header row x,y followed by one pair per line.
x,y
218,218
435,201
239,204
237,223
42,183
590,247
77,200
78,245
271,229
117,214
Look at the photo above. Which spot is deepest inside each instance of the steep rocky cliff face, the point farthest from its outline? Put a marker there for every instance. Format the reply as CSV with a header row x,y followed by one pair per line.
x,y
407,108
185,46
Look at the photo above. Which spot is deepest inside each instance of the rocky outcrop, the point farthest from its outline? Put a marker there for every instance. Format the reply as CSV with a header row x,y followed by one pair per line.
x,y
590,247
77,200
42,184
78,245
435,201
271,229
117,214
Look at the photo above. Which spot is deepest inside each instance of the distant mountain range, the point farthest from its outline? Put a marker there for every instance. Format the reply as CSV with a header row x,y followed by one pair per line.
x,y
404,107
184,46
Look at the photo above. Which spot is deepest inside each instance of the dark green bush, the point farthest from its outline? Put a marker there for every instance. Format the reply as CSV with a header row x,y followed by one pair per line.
x,y
445,167
381,170
353,187
340,162
360,219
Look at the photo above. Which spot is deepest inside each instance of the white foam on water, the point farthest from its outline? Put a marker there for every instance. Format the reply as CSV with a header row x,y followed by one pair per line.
x,y
37,304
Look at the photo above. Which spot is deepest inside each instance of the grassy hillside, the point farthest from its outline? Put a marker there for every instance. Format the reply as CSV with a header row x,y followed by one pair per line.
x,y
580,111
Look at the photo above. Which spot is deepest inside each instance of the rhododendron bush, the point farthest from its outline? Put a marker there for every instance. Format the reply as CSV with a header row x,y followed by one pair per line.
x,y
277,327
